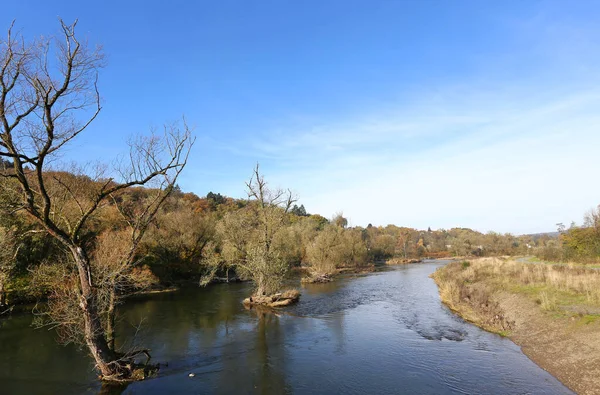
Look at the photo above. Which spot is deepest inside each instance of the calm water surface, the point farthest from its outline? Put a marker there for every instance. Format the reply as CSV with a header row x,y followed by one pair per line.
x,y
382,333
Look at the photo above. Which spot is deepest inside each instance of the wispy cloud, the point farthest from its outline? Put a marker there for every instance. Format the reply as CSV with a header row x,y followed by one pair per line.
x,y
512,147
508,162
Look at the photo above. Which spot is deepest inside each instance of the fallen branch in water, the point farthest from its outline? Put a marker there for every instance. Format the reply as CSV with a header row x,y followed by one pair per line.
x,y
128,370
7,310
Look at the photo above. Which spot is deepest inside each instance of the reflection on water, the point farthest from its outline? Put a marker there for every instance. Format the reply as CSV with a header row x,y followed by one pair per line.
x,y
382,333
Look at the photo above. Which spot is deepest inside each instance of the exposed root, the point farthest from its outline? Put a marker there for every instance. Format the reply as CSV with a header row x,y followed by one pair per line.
x,y
276,300
317,278
126,369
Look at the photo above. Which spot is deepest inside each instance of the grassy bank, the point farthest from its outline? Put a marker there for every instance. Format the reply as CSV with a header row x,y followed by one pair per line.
x,y
551,311
533,259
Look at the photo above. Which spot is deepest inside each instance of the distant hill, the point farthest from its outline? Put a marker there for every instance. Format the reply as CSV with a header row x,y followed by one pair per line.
x,y
552,235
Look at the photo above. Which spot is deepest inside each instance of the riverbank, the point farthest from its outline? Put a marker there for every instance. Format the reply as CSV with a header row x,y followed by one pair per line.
x,y
551,312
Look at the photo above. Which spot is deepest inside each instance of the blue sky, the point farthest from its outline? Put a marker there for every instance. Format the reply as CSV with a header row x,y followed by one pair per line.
x,y
419,113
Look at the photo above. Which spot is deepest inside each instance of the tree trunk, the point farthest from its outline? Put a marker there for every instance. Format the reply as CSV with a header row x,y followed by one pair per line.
x,y
110,319
260,285
2,293
94,333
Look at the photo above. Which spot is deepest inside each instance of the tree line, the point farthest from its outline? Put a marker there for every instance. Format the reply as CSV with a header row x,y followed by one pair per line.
x,y
188,238
577,243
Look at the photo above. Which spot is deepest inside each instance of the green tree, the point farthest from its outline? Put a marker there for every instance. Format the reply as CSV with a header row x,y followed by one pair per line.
x,y
215,200
299,211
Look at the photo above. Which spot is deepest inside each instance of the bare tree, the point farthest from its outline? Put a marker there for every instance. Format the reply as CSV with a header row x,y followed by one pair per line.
x,y
249,236
591,219
269,208
339,220
116,261
48,96
404,239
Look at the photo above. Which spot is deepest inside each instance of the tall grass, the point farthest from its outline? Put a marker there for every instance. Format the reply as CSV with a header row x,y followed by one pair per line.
x,y
548,282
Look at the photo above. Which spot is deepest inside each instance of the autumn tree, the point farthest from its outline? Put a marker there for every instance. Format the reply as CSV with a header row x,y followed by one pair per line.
x,y
7,263
339,220
323,253
117,263
179,238
354,248
288,242
254,236
381,245
404,242
269,211
582,243
335,247
48,97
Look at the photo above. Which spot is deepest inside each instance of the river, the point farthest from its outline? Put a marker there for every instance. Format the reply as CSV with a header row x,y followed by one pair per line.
x,y
382,333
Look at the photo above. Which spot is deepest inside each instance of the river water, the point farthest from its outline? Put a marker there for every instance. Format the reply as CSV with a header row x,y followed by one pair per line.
x,y
382,333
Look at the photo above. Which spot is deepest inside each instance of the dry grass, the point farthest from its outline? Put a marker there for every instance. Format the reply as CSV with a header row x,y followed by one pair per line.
x,y
547,301
559,281
551,286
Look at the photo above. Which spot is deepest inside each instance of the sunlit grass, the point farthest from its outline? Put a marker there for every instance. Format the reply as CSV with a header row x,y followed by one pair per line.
x,y
534,259
552,287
